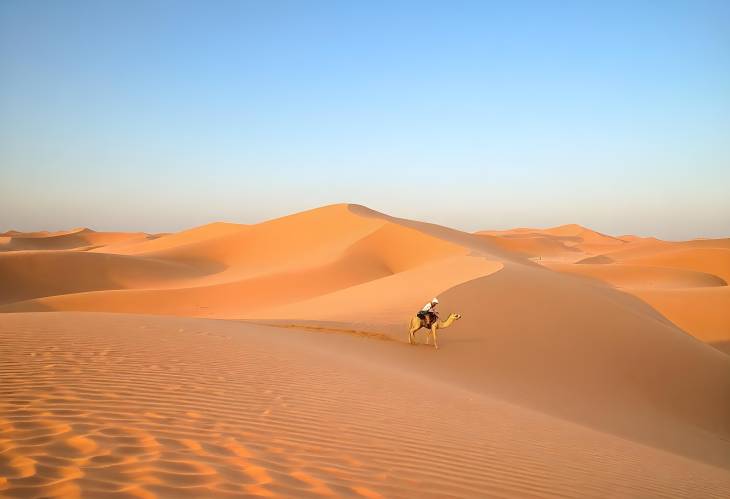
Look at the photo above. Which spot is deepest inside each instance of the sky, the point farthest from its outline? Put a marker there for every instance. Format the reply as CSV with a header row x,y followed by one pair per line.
x,y
158,116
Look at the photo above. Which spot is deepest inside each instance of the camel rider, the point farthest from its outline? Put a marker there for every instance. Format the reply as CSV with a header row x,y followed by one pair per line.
x,y
428,312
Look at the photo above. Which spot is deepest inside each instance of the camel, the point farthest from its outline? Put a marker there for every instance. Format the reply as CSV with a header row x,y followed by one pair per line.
x,y
417,323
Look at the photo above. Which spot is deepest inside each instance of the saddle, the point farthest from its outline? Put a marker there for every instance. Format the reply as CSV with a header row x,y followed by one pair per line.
x,y
428,318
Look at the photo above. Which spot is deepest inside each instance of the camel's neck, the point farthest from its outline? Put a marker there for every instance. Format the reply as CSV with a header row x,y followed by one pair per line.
x,y
449,320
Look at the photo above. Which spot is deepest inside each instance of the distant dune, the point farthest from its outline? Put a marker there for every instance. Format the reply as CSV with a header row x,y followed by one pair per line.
x,y
78,239
583,365
687,281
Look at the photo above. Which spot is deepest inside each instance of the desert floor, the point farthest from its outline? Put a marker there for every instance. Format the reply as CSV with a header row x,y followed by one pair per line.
x,y
273,360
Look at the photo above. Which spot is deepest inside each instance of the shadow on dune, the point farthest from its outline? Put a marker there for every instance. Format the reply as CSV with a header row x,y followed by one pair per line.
x,y
26,306
28,275
471,241
576,349
723,346
590,353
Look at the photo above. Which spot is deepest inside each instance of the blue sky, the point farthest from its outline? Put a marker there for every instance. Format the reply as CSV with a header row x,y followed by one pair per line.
x,y
157,116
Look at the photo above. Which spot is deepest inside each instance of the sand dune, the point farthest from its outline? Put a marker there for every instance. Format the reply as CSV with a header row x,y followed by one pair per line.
x,y
523,323
558,376
384,304
643,276
705,312
685,281
569,233
649,247
202,233
534,245
79,239
31,274
292,242
586,239
714,261
269,264
520,321
567,243
223,299
135,406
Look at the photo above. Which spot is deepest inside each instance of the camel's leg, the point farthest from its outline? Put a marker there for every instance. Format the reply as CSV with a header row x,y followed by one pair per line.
x,y
412,334
435,336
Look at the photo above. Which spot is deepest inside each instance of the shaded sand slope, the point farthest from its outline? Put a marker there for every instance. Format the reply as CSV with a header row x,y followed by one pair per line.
x,y
197,234
685,281
74,239
704,312
561,344
280,262
472,242
306,239
40,233
30,274
227,299
592,354
714,261
141,406
383,305
643,276
651,247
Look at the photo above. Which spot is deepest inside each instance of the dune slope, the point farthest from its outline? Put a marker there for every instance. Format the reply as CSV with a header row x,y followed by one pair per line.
x,y
140,406
30,274
79,239
687,281
244,269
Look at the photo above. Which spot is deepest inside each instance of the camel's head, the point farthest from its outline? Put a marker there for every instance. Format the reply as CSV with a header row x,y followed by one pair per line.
x,y
456,316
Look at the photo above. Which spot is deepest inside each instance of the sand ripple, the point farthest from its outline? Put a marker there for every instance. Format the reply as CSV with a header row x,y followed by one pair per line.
x,y
105,405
